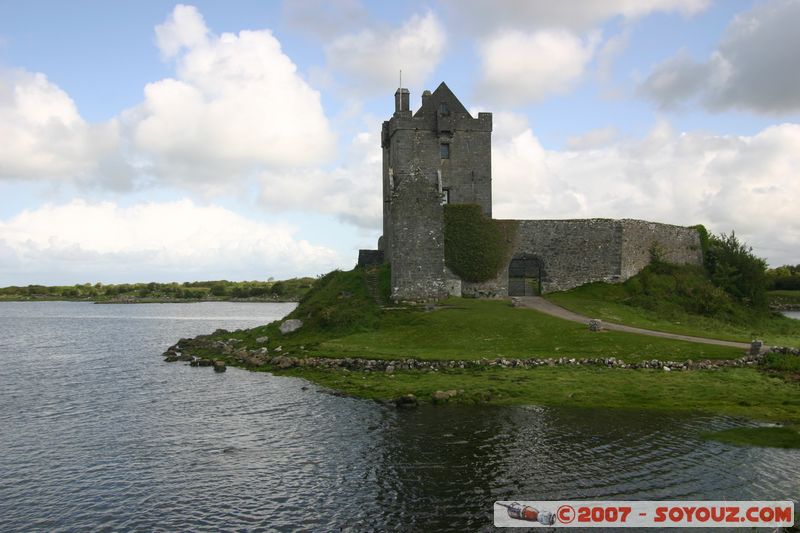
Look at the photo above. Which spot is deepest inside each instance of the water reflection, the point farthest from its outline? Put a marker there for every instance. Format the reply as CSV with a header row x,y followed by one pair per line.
x,y
442,467
98,434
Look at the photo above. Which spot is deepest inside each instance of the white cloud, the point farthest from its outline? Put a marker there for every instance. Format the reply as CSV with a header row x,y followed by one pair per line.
x,y
44,136
754,66
237,106
183,29
726,182
484,16
179,240
518,68
351,190
372,58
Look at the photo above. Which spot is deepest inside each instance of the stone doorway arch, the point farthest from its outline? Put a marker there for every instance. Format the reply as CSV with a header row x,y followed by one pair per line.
x,y
525,276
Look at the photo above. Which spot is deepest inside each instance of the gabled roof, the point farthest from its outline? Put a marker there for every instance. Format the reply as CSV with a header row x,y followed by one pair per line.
x,y
441,94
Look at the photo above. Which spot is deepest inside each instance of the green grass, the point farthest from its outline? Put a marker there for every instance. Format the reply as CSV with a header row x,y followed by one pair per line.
x,y
742,392
775,437
675,303
474,329
784,362
793,295
342,319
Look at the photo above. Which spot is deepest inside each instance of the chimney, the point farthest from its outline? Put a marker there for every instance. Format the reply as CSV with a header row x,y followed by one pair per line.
x,y
401,100
425,94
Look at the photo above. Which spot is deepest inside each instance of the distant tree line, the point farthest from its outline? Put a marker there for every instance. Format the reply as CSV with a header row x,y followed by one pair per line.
x,y
286,290
784,278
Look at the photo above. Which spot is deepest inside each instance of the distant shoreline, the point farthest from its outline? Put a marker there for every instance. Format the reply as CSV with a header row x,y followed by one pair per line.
x,y
289,290
150,300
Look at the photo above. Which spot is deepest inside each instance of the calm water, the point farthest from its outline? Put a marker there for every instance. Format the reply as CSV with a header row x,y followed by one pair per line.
x,y
98,434
792,314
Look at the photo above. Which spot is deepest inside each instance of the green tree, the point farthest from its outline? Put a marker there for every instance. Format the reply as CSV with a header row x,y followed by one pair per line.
x,y
734,267
278,288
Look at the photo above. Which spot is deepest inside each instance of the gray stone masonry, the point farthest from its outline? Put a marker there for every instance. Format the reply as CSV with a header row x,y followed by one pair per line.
x,y
418,271
678,244
462,171
575,252
439,154
367,258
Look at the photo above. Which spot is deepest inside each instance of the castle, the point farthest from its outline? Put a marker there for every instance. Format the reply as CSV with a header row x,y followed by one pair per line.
x,y
439,156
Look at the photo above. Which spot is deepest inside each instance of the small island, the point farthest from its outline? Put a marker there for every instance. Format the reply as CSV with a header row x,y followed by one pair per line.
x,y
456,307
349,336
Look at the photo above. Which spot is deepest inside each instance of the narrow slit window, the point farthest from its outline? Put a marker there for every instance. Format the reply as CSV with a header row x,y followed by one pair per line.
x,y
444,150
445,196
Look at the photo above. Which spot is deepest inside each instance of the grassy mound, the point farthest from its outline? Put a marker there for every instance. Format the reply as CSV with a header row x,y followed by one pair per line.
x,y
346,314
340,302
343,316
679,299
473,329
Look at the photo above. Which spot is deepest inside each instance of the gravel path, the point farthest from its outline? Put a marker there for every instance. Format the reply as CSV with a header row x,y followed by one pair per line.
x,y
540,304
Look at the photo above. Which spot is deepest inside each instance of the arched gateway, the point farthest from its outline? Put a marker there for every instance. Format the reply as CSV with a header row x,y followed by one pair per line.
x,y
525,276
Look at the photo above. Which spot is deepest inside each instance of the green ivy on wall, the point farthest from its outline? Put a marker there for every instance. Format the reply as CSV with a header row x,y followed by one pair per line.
x,y
703,234
476,248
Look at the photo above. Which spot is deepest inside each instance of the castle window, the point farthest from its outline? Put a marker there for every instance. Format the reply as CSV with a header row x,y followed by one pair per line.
x,y
445,196
444,150
443,108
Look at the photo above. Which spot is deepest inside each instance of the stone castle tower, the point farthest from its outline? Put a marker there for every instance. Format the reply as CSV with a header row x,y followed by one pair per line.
x,y
442,155
438,155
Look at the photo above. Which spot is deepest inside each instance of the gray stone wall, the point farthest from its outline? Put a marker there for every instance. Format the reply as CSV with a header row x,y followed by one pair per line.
x,y
493,288
678,244
417,237
575,252
572,252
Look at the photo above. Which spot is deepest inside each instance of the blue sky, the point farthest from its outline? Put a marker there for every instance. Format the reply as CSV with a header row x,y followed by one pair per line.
x,y
239,140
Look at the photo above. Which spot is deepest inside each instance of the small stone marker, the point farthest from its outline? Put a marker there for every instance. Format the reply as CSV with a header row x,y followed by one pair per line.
x,y
595,325
755,347
291,325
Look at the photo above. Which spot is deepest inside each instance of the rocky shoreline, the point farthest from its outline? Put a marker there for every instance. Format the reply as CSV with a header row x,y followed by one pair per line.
x,y
197,352
781,307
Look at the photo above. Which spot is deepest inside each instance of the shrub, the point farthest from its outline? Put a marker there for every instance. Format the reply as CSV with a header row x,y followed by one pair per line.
x,y
279,288
733,267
